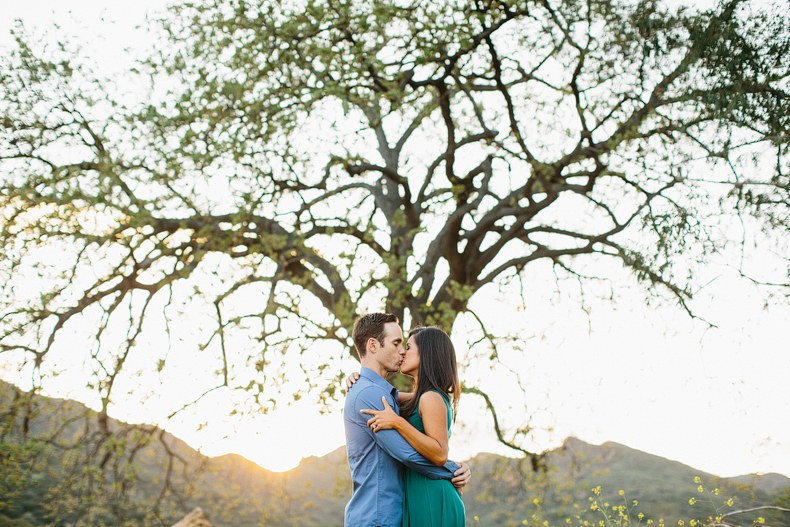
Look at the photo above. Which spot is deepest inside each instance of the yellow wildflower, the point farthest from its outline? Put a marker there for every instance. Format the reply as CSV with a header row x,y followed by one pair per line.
x,y
621,493
697,479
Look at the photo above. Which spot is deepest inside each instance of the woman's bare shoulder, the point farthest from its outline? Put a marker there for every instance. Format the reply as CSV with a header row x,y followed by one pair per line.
x,y
432,400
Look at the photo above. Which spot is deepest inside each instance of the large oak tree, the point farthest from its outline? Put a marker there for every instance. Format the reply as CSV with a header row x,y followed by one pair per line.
x,y
294,166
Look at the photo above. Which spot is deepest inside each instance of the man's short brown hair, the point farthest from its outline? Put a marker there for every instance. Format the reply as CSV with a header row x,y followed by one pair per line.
x,y
370,326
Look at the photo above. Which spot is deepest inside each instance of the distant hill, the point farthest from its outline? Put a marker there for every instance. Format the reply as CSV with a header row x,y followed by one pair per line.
x,y
236,492
63,464
503,489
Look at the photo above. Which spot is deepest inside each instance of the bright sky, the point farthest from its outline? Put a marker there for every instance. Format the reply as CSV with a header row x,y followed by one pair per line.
x,y
715,399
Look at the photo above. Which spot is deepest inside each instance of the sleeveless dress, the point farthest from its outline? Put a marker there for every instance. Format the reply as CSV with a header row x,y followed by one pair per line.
x,y
431,502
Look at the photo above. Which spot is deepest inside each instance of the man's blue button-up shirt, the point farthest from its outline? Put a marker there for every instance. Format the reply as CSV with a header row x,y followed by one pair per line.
x,y
375,458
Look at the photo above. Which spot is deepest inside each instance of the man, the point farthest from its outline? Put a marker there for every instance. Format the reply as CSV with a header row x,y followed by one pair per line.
x,y
375,458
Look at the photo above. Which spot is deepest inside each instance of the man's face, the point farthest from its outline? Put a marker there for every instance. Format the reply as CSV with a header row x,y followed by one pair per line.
x,y
391,353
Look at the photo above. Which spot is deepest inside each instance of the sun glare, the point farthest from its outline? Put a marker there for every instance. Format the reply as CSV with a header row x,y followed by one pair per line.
x,y
280,440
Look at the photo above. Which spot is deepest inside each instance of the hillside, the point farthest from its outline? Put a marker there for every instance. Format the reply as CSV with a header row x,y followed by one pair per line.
x,y
503,489
63,464
238,493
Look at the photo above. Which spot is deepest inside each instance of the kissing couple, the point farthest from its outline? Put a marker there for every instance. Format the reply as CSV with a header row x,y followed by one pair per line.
x,y
397,443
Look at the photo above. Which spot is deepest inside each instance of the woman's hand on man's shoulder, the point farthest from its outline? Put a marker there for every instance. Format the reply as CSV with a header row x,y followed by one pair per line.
x,y
351,379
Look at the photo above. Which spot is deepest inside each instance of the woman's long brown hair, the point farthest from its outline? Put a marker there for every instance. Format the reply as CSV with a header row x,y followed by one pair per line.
x,y
437,370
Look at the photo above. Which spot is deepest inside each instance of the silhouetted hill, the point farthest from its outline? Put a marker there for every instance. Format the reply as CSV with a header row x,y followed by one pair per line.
x,y
236,492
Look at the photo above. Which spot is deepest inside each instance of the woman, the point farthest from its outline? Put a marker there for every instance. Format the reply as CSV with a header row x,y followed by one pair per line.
x,y
424,421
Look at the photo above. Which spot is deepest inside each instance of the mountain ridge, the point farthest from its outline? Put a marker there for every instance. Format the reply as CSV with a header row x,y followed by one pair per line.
x,y
237,492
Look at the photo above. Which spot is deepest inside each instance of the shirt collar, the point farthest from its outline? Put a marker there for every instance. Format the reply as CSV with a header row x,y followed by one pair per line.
x,y
378,380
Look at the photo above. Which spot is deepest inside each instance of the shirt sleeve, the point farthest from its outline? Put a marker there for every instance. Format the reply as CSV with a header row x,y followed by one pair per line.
x,y
393,443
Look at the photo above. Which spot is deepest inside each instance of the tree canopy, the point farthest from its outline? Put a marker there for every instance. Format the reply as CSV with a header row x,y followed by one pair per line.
x,y
294,165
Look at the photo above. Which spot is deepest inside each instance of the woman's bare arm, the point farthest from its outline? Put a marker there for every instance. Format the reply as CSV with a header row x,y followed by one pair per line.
x,y
434,443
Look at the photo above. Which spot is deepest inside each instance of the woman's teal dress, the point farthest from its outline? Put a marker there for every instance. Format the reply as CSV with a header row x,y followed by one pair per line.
x,y
431,502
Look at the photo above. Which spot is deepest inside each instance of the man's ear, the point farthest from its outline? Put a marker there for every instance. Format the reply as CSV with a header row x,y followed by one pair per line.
x,y
372,345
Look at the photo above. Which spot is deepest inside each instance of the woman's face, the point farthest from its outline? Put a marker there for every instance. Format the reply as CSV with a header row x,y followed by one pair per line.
x,y
411,363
